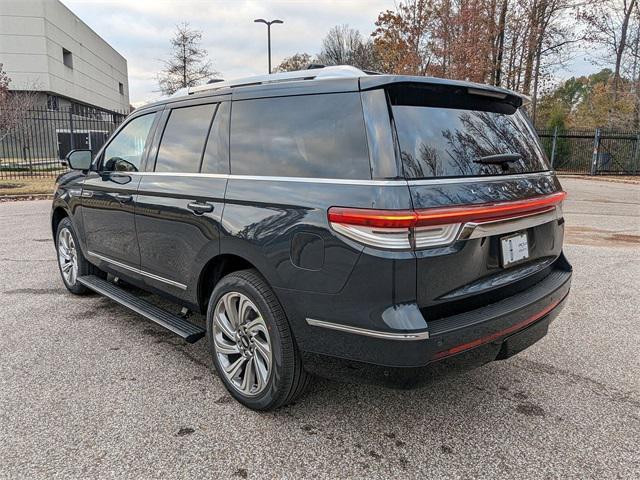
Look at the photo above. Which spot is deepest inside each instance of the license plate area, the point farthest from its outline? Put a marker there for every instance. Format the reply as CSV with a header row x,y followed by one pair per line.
x,y
514,249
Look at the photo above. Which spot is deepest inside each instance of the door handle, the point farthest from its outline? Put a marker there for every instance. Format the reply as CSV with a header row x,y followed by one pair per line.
x,y
200,208
123,197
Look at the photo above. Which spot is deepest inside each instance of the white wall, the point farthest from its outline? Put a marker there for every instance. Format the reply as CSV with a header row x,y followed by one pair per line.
x,y
32,36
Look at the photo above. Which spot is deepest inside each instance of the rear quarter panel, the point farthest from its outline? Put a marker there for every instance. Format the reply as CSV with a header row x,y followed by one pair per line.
x,y
262,216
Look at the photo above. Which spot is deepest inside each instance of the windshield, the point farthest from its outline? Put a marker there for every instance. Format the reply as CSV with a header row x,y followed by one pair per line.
x,y
453,142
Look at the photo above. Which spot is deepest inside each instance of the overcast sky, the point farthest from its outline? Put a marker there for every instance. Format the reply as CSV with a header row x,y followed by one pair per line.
x,y
140,30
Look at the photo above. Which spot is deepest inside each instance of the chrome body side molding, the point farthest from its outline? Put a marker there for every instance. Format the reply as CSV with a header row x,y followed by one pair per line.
x,y
265,178
138,271
342,181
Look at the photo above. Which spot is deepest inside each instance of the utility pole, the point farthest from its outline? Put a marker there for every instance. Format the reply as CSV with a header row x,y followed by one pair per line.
x,y
268,24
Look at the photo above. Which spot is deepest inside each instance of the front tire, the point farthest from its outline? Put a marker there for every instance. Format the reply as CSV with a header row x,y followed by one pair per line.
x,y
251,343
71,261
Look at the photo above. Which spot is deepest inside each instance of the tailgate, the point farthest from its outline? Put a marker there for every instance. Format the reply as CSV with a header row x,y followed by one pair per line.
x,y
477,176
470,273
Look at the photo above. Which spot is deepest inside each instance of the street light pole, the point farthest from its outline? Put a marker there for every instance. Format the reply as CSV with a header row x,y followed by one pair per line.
x,y
268,24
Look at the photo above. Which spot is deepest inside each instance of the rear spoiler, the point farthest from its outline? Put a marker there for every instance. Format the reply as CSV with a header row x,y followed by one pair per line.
x,y
477,89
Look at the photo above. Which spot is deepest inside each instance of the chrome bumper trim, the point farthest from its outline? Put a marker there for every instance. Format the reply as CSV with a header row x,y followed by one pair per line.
x,y
368,333
499,227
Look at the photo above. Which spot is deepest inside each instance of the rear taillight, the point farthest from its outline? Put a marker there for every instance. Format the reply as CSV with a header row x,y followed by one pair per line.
x,y
415,229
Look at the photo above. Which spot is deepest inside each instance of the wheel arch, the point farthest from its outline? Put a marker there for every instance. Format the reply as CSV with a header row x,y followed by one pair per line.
x,y
58,214
216,268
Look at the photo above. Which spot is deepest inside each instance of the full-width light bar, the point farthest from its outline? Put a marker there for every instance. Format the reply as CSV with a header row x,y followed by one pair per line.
x,y
430,226
489,212
440,216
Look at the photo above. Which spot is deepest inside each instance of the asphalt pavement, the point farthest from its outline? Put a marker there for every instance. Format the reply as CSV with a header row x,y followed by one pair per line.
x,y
89,389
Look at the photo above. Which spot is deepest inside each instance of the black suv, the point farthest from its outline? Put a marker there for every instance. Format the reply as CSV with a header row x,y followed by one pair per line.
x,y
378,227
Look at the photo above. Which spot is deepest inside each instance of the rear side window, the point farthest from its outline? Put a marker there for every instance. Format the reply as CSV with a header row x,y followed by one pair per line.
x,y
444,141
183,139
317,136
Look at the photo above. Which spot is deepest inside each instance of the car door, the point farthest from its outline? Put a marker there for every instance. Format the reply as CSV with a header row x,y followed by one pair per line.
x,y
181,196
108,196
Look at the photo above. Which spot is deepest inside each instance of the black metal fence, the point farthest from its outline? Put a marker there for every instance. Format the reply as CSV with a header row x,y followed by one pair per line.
x,y
593,152
38,139
34,141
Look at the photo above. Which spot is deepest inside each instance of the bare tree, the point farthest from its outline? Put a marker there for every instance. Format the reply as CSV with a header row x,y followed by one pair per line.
x,y
14,105
345,46
498,50
632,66
297,61
188,65
553,32
4,84
610,21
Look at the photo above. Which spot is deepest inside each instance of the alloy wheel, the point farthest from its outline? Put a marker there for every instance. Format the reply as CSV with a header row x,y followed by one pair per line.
x,y
68,256
242,343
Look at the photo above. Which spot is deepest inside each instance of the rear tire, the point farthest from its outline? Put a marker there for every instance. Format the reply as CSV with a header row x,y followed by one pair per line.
x,y
71,262
251,343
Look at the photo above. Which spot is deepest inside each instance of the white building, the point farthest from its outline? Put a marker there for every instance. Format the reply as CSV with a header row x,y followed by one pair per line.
x,y
45,47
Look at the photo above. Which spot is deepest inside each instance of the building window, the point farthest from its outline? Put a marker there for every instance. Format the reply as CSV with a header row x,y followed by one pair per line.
x,y
67,58
52,102
121,88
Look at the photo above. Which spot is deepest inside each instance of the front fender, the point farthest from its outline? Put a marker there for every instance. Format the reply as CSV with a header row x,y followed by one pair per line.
x,y
67,202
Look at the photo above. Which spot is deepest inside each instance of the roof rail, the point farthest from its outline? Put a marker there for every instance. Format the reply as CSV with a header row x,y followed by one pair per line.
x,y
338,71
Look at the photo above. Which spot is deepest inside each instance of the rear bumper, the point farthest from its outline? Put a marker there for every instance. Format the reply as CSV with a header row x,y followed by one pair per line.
x,y
467,339
413,377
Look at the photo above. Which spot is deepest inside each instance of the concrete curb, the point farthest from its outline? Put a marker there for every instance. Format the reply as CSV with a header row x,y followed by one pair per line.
x,y
25,197
612,179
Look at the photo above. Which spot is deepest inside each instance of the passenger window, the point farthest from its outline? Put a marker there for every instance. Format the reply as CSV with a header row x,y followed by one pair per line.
x,y
183,139
319,136
216,154
124,152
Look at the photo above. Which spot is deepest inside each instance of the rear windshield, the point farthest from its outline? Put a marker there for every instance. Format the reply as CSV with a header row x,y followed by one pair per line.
x,y
437,141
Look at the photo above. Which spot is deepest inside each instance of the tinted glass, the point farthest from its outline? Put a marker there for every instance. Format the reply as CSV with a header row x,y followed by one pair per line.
x,y
183,139
382,150
124,152
305,136
216,155
451,142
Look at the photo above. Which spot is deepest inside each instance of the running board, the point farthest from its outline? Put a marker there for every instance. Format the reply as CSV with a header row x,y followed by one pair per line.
x,y
181,327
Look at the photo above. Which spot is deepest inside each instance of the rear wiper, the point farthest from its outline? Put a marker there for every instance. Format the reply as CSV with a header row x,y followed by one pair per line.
x,y
499,159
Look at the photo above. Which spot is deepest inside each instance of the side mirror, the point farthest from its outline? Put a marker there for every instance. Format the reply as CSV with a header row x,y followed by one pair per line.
x,y
79,159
